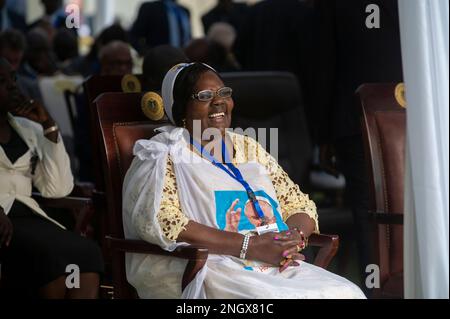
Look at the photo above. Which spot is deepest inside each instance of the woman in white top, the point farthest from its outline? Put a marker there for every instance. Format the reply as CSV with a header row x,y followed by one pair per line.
x,y
178,191
36,250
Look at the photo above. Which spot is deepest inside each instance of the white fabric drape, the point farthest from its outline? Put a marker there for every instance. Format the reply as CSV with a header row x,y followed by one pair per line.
x,y
424,26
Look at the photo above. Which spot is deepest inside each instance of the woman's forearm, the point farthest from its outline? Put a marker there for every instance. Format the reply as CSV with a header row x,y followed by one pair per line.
x,y
303,222
215,240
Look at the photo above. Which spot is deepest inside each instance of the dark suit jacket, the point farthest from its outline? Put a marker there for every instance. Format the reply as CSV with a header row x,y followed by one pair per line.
x,y
151,27
348,55
236,16
277,37
17,21
59,23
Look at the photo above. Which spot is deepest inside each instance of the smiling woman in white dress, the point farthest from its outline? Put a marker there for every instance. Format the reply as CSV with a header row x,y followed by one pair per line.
x,y
176,193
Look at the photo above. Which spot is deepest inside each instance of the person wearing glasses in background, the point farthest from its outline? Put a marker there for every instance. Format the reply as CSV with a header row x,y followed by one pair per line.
x,y
185,182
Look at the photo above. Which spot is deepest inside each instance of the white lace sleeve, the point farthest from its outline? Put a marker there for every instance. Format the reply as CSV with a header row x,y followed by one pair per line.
x,y
170,216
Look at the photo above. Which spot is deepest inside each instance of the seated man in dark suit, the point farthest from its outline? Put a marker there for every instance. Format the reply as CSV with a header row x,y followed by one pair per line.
x,y
161,22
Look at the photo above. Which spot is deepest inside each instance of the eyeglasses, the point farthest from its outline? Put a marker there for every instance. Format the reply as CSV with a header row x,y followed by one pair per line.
x,y
208,95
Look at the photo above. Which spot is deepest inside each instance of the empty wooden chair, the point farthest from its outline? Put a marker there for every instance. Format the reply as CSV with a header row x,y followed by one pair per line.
x,y
384,132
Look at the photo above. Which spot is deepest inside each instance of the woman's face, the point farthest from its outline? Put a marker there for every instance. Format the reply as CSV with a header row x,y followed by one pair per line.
x,y
8,87
211,114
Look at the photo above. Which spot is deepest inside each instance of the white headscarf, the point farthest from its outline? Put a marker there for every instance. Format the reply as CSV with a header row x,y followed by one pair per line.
x,y
169,83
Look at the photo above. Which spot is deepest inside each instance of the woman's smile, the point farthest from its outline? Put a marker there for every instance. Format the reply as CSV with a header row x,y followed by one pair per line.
x,y
216,118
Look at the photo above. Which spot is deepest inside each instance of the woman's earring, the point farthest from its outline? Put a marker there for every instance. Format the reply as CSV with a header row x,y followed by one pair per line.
x,y
184,123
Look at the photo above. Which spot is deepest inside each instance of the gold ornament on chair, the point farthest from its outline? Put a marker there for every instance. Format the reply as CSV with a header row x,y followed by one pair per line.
x,y
400,94
152,106
130,84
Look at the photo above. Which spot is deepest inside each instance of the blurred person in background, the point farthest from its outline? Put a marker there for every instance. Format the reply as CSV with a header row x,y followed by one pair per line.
x,y
226,11
90,64
225,35
115,59
157,62
12,48
65,47
9,19
277,36
54,18
38,59
209,52
161,22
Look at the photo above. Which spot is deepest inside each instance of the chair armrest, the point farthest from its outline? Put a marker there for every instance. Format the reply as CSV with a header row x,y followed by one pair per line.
x,y
81,207
76,203
143,247
328,244
195,255
386,217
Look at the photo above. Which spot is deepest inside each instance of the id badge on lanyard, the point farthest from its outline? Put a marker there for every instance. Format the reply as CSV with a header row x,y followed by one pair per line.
x,y
234,172
264,228
267,229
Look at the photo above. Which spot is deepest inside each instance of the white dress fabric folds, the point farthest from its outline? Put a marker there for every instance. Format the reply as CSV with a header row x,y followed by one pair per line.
x,y
205,194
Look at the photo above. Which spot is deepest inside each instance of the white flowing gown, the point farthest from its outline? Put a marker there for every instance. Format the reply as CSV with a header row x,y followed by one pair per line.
x,y
205,193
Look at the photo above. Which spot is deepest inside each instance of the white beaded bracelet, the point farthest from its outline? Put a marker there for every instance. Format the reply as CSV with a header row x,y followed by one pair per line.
x,y
244,246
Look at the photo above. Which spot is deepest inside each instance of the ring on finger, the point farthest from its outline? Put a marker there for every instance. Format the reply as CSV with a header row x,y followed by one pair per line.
x,y
285,260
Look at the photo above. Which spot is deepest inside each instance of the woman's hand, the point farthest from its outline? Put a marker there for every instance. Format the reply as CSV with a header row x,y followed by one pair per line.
x,y
32,110
278,249
294,234
233,217
6,229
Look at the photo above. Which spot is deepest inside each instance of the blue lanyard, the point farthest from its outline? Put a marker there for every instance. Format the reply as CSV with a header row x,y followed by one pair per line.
x,y
234,172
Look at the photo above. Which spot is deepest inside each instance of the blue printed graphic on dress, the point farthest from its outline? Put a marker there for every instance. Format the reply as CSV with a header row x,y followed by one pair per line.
x,y
235,212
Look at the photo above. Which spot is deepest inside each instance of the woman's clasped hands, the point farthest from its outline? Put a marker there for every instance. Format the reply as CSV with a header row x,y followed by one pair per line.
x,y
281,249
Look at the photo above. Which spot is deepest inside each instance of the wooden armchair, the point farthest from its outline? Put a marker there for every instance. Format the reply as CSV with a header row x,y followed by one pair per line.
x,y
81,208
122,123
384,132
93,87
